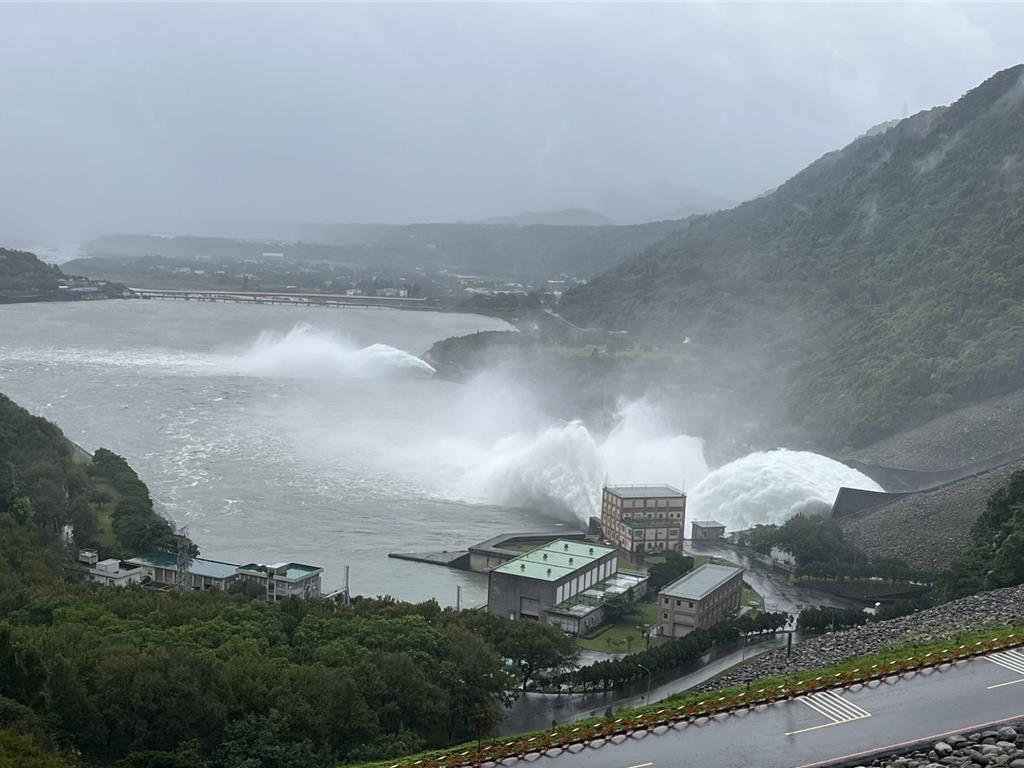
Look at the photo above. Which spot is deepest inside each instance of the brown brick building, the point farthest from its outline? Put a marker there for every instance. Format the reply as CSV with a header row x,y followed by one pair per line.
x,y
700,599
643,518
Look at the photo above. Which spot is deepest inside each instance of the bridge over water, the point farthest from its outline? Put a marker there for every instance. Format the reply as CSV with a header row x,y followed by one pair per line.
x,y
292,299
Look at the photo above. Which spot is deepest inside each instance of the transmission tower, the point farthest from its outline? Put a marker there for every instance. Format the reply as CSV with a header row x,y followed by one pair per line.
x,y
183,580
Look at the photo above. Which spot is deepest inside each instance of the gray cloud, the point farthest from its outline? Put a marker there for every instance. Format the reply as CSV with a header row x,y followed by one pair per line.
x,y
153,117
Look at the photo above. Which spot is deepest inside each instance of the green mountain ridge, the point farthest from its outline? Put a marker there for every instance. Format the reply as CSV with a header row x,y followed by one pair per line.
x,y
879,286
506,249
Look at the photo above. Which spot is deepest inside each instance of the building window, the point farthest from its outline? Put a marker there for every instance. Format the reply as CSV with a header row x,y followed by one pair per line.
x,y
664,615
691,605
679,602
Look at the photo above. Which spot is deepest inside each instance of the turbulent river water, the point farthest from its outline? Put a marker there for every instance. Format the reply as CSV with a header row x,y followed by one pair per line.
x,y
318,435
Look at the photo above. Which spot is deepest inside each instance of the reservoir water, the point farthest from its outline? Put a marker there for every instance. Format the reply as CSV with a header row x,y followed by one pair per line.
x,y
264,429
319,435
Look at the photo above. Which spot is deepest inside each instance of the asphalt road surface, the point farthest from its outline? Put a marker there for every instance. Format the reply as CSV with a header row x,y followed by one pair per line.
x,y
842,726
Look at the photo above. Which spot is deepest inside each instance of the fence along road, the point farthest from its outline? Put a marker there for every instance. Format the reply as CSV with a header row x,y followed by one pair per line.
x,y
844,725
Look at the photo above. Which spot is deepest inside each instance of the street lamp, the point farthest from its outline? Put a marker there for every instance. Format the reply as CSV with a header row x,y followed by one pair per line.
x,y
645,669
645,633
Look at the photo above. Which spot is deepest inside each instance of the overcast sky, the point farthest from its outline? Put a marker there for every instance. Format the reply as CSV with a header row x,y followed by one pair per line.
x,y
154,118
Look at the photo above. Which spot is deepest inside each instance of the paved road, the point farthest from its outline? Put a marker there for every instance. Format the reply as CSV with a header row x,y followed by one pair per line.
x,y
536,711
821,729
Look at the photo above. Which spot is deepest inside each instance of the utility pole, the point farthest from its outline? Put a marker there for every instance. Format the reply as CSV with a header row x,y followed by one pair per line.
x,y
645,669
458,598
182,581
348,595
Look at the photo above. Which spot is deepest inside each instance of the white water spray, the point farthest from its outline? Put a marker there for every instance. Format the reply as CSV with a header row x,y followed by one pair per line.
x,y
307,353
771,487
488,445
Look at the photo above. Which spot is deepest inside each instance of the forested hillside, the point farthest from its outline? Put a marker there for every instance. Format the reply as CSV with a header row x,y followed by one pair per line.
x,y
879,286
23,276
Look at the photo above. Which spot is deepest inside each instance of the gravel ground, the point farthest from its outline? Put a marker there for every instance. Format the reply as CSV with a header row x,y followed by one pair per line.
x,y
999,608
998,746
956,439
926,530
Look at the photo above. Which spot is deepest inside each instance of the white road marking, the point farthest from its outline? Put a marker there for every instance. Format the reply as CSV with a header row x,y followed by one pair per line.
x,y
834,707
1012,660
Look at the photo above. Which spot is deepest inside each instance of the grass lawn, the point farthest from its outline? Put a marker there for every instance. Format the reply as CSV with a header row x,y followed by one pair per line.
x,y
620,638
751,599
628,567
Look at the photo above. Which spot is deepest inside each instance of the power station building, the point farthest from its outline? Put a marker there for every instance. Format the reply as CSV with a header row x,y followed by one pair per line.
x,y
564,583
699,599
643,518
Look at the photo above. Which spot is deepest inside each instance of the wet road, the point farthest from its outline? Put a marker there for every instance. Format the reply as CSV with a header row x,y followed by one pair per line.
x,y
536,711
844,726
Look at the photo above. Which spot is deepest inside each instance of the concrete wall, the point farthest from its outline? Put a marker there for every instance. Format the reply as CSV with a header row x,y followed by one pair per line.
x,y
506,594
482,562
908,480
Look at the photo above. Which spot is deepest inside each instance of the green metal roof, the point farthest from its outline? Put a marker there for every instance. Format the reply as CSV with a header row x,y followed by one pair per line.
x,y
700,582
298,570
293,571
213,569
644,491
555,560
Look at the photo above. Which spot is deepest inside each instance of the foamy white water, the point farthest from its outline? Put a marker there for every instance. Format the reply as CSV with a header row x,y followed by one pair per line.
x,y
307,352
771,487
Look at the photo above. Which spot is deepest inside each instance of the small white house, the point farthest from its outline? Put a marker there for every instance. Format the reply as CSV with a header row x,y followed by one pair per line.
x,y
111,572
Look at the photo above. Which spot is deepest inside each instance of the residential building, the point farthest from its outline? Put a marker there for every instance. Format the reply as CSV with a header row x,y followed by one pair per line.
x,y
162,569
563,582
643,518
700,599
707,530
283,579
110,572
277,581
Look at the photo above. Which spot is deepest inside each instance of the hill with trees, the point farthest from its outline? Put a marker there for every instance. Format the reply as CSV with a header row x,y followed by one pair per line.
x,y
878,287
509,249
23,277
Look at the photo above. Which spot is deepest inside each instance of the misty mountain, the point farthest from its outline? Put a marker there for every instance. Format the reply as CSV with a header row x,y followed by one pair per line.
x,y
881,285
658,201
535,250
566,217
